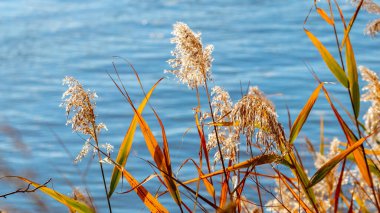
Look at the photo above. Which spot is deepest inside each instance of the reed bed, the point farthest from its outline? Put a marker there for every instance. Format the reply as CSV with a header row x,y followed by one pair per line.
x,y
241,144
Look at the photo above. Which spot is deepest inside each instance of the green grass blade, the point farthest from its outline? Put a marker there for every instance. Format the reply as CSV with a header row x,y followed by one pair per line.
x,y
126,145
327,167
352,73
331,63
303,115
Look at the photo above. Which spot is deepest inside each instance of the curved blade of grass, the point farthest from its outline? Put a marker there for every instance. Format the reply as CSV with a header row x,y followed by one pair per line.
x,y
65,200
327,167
256,161
352,74
372,166
351,138
149,200
325,17
352,21
126,145
301,119
331,63
158,158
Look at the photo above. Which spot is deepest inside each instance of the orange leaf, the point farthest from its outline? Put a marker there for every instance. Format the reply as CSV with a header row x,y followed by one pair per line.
x,y
150,202
324,15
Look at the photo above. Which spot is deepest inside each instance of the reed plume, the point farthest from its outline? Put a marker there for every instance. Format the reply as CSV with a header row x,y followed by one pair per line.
x,y
255,116
82,104
372,28
372,117
192,62
369,5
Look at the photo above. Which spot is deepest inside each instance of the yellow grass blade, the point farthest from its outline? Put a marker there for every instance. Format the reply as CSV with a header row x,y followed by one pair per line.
x,y
352,74
149,200
331,63
328,166
325,17
301,119
71,203
126,145
158,158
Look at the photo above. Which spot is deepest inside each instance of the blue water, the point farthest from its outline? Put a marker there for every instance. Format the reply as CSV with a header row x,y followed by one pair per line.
x,y
256,42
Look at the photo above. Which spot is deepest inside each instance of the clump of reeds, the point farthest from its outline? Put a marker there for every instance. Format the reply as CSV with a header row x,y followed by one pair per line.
x,y
345,178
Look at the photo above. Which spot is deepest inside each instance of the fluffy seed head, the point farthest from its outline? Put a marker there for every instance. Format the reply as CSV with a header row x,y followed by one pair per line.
x,y
372,28
192,62
372,117
255,112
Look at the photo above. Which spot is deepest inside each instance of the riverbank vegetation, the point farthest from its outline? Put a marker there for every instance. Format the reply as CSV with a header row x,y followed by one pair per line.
x,y
239,137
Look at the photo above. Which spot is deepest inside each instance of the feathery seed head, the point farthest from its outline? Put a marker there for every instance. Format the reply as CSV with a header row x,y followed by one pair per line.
x,y
372,28
372,117
82,103
255,112
192,62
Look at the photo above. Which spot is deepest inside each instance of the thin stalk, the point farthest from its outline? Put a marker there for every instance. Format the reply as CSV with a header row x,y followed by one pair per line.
x,y
101,168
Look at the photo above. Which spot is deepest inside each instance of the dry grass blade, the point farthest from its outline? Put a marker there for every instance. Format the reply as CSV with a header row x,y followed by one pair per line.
x,y
126,145
331,63
71,203
295,195
327,167
256,161
301,119
325,17
149,200
158,158
351,138
352,74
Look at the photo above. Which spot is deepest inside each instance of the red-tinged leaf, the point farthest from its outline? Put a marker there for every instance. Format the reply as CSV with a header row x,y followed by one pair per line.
x,y
148,199
325,17
351,138
331,63
303,115
69,202
328,166
125,147
203,141
223,193
352,74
